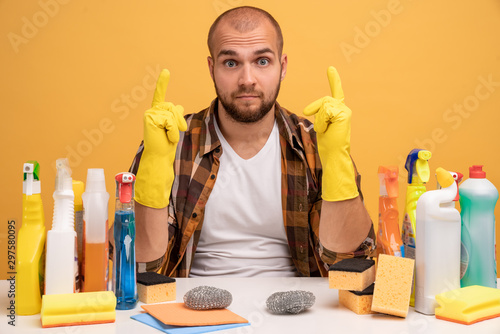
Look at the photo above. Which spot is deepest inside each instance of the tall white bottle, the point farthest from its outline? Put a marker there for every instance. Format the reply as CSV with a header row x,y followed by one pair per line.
x,y
61,239
438,243
95,244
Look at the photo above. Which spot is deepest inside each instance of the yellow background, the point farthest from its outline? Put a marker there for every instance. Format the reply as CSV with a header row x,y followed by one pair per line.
x,y
76,77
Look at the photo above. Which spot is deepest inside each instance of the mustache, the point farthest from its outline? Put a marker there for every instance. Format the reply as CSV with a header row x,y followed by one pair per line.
x,y
243,91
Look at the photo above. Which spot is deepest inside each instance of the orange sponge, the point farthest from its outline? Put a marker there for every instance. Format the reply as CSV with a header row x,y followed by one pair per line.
x,y
155,288
360,302
393,285
352,274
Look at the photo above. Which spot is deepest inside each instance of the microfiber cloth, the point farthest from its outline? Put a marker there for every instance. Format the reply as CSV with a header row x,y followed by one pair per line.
x,y
178,314
169,329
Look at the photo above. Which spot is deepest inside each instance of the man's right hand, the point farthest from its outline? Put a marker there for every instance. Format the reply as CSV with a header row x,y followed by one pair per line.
x,y
162,124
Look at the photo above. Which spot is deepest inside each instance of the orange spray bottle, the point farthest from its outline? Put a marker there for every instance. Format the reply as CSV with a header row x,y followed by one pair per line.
x,y
389,238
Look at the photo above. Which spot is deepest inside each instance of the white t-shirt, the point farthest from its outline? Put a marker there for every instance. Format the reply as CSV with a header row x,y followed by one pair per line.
x,y
243,232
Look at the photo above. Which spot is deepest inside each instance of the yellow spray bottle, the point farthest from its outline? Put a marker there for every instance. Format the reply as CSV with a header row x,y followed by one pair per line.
x,y
30,245
417,166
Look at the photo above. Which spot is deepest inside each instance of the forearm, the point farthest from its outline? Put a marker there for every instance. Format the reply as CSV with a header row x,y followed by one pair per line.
x,y
344,225
151,232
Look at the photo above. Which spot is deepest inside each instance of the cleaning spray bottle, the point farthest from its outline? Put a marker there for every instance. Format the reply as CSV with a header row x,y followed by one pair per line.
x,y
417,166
438,242
389,238
30,245
478,197
61,239
95,244
124,278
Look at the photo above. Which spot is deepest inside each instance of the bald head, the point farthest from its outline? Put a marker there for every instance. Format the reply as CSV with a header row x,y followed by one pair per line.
x,y
244,19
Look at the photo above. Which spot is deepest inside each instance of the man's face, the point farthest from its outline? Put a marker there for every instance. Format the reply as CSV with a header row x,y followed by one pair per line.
x,y
247,70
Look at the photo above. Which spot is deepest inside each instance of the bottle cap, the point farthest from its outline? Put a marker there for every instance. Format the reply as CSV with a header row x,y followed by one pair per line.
x,y
95,180
63,176
444,178
388,176
417,165
125,186
31,183
476,172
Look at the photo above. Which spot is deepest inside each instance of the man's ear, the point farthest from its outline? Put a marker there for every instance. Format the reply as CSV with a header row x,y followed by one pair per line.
x,y
284,63
211,66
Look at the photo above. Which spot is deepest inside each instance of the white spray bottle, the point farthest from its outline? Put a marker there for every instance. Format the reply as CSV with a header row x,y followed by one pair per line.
x,y
61,239
438,242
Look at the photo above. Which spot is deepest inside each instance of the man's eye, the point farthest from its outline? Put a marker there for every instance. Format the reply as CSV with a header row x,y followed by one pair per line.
x,y
230,63
263,61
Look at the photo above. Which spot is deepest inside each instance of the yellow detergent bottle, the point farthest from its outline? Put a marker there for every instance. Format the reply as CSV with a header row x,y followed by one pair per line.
x,y
30,245
417,166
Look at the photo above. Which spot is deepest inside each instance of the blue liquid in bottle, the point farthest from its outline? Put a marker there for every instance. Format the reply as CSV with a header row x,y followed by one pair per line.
x,y
124,264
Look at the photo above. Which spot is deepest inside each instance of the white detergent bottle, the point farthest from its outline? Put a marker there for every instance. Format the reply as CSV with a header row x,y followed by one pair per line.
x,y
438,242
61,239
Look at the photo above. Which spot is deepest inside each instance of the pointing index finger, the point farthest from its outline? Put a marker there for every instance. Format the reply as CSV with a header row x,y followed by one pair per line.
x,y
335,85
161,87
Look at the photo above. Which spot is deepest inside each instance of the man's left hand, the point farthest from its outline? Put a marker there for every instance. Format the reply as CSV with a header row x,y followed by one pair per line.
x,y
333,127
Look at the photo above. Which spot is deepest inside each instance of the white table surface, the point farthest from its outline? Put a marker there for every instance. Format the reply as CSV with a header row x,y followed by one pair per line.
x,y
249,301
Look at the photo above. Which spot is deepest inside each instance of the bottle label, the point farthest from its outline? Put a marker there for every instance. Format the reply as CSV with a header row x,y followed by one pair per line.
x,y
464,260
79,235
408,238
76,285
41,270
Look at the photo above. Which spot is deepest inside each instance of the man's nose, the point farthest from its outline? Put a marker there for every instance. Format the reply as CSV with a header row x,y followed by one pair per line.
x,y
247,76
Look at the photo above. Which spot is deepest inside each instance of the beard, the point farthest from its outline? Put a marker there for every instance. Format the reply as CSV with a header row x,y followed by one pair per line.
x,y
246,116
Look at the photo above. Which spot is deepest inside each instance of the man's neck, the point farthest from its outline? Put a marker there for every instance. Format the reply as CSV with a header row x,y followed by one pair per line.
x,y
246,139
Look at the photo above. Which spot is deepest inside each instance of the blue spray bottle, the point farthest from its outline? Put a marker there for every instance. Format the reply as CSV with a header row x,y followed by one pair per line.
x,y
124,277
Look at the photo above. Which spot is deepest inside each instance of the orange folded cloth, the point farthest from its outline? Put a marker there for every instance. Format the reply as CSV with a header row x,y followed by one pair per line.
x,y
178,314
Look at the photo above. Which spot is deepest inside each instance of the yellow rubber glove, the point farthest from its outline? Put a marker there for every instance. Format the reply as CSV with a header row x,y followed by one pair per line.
x,y
162,124
333,127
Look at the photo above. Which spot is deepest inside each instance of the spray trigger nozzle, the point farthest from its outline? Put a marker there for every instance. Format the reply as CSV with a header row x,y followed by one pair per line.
x,y
125,186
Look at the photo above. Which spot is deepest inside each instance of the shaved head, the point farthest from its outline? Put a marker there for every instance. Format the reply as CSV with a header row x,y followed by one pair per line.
x,y
245,19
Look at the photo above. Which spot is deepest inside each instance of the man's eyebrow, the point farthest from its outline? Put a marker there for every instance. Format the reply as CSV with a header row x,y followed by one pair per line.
x,y
228,52
225,52
262,51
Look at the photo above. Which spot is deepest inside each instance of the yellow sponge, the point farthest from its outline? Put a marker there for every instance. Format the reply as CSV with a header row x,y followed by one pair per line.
x,y
360,302
468,305
78,309
393,285
352,274
155,288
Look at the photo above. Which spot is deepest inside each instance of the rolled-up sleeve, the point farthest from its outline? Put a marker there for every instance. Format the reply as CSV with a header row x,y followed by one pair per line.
x,y
365,249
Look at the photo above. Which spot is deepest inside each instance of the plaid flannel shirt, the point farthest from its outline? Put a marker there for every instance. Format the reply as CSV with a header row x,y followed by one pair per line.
x,y
196,167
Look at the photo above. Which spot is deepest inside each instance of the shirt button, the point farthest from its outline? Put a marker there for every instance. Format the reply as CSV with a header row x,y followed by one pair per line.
x,y
195,215
212,176
301,249
300,207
